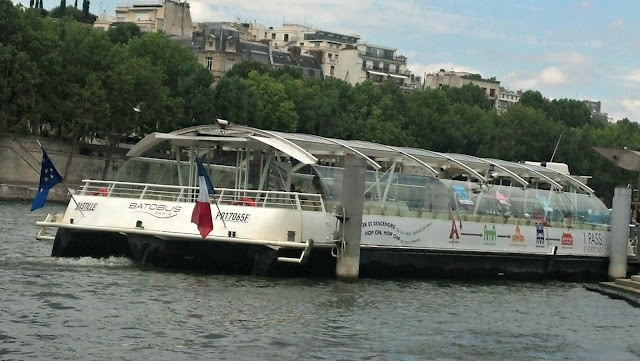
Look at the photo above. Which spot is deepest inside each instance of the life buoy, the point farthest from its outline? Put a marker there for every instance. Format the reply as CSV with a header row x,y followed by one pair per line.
x,y
244,201
101,192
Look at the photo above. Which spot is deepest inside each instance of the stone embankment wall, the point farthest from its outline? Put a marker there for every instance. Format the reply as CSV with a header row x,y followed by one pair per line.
x,y
21,157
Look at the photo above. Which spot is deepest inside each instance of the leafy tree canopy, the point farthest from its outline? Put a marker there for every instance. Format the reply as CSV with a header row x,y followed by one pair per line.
x,y
122,33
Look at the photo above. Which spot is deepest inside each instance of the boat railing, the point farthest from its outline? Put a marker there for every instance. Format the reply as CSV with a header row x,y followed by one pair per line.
x,y
228,196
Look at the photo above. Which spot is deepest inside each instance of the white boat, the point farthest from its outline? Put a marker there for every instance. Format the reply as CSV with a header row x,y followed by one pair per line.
x,y
426,214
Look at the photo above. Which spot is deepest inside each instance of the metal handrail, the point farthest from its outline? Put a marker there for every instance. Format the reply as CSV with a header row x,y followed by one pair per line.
x,y
229,196
632,250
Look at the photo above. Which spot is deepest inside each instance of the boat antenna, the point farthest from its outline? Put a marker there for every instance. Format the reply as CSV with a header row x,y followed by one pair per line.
x,y
556,148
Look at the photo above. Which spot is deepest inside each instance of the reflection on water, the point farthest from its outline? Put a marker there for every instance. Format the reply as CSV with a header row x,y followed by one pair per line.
x,y
112,309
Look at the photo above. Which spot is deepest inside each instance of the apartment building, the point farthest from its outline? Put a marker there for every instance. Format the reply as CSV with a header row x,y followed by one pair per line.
x,y
507,98
342,56
219,46
457,79
169,16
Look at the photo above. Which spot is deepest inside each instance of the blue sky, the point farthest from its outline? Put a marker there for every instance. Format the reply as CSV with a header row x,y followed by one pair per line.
x,y
579,49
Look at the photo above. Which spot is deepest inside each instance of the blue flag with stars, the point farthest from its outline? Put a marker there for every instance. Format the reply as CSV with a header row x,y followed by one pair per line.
x,y
49,177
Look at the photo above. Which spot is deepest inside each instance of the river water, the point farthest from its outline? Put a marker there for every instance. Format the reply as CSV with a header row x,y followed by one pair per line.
x,y
111,309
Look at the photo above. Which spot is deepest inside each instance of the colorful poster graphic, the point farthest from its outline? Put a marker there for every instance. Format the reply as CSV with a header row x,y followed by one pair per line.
x,y
462,194
544,202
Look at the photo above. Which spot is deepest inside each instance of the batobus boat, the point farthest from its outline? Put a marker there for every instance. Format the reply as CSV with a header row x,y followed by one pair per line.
x,y
426,214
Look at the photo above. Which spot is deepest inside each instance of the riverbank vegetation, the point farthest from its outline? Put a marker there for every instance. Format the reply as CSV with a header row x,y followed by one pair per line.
x,y
62,78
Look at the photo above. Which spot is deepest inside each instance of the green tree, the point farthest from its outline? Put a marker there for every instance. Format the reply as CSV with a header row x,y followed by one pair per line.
x,y
234,101
573,113
275,110
197,94
175,65
322,106
530,135
78,103
243,69
533,99
122,33
426,112
468,94
134,82
295,73
73,13
18,81
9,23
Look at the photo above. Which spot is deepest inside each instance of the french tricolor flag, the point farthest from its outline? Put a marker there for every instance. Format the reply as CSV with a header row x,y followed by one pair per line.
x,y
202,211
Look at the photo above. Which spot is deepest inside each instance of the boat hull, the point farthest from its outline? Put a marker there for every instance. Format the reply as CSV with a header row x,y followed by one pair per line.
x,y
375,262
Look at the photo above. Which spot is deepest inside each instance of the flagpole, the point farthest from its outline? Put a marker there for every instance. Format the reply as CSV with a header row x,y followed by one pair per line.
x,y
219,211
65,185
214,199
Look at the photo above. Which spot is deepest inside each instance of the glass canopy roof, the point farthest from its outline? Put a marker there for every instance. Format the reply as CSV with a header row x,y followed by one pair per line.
x,y
310,149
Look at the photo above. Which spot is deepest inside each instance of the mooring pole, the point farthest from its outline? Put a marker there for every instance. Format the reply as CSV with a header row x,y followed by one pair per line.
x,y
620,219
348,262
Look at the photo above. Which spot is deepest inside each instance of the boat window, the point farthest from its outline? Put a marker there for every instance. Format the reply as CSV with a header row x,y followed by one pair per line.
x,y
150,170
556,209
386,193
588,209
171,172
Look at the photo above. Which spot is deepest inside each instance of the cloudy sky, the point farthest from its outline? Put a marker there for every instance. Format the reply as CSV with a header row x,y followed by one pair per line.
x,y
579,49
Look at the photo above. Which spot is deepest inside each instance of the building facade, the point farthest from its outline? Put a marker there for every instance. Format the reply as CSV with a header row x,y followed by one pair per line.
x,y
169,16
219,46
457,79
507,98
342,56
596,109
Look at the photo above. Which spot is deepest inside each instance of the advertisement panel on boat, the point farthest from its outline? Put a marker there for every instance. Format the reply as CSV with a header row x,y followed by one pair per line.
x,y
475,236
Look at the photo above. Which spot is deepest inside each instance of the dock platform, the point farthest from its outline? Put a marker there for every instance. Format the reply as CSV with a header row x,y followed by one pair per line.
x,y
627,289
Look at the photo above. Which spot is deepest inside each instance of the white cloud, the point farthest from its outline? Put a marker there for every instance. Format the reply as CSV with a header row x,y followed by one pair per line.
x,y
200,11
634,75
585,4
274,12
617,24
551,76
420,69
571,58
624,108
594,43
372,18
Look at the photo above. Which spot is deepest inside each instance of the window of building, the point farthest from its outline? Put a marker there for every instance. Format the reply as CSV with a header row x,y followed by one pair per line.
x,y
301,44
286,37
312,72
209,64
330,56
336,57
484,90
141,16
273,36
332,71
230,65
492,92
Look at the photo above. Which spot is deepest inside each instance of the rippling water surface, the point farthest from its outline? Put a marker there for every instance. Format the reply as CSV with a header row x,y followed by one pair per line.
x,y
87,309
